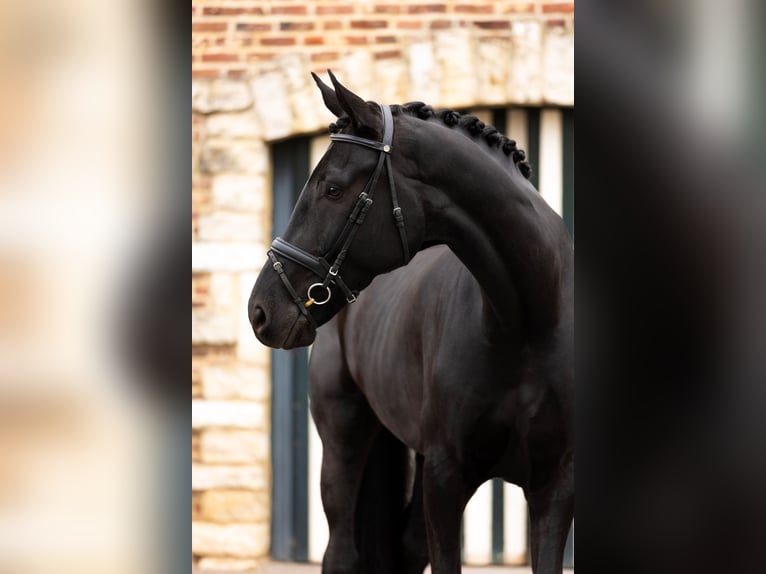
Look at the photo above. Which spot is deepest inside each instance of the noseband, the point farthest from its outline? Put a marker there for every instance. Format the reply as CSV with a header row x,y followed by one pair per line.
x,y
319,293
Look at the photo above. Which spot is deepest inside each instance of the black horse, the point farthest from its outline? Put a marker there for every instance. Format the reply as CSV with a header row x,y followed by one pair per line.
x,y
465,360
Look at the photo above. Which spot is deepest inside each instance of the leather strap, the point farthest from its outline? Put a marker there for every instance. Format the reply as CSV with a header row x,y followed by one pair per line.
x,y
277,265
319,265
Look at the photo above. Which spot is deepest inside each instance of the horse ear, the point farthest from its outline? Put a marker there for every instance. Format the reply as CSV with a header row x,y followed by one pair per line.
x,y
358,110
329,97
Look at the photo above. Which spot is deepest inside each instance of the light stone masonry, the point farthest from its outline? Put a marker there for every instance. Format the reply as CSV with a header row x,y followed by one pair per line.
x,y
236,540
207,477
272,105
227,256
239,156
558,66
234,446
524,74
235,382
228,414
249,349
357,69
228,564
240,192
392,80
223,291
242,125
213,328
456,58
305,100
424,76
220,95
494,59
226,506
230,226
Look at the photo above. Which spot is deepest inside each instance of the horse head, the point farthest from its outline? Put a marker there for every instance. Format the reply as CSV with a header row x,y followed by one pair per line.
x,y
357,217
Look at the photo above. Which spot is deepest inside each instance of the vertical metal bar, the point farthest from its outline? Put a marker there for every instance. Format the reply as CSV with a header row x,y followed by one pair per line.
x,y
498,531
300,454
568,214
289,403
533,144
568,168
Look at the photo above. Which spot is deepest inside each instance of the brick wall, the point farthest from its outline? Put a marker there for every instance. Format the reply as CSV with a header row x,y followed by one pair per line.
x,y
228,37
251,86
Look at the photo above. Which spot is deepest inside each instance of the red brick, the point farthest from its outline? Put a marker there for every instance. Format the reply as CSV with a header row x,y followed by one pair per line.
x,y
388,54
423,8
335,9
260,56
494,24
296,26
313,40
563,8
556,23
385,39
288,9
527,8
208,26
387,9
205,73
474,8
237,74
219,57
366,24
214,351
356,40
230,11
441,24
333,25
252,27
278,41
409,25
324,56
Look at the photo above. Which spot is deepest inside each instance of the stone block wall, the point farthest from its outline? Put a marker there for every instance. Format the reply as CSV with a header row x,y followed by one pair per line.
x,y
250,87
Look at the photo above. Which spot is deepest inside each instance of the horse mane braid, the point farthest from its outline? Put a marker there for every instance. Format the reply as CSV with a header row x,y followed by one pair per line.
x,y
471,124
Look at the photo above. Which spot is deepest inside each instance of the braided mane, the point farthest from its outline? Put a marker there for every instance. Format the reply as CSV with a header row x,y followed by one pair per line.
x,y
471,124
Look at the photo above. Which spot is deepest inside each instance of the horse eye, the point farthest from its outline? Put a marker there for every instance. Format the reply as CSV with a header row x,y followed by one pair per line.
x,y
333,191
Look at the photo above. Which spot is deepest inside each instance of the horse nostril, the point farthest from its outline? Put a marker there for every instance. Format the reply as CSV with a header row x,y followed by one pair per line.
x,y
258,318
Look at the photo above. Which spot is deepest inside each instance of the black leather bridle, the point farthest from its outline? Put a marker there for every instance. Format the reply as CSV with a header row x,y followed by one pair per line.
x,y
319,265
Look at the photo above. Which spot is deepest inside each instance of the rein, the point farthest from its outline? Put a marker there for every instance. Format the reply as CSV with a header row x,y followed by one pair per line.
x,y
319,266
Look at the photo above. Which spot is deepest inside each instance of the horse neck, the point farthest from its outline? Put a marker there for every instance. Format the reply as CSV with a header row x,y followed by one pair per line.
x,y
497,224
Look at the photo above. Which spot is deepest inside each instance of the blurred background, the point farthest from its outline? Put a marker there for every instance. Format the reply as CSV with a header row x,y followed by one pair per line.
x,y
259,128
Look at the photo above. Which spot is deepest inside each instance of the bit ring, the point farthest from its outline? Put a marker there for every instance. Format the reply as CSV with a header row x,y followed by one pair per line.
x,y
315,300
